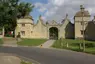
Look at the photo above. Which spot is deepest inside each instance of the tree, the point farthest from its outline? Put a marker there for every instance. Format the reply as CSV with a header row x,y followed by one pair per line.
x,y
8,14
24,9
10,10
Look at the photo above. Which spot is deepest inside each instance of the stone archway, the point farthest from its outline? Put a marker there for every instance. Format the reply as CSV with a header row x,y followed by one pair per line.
x,y
53,33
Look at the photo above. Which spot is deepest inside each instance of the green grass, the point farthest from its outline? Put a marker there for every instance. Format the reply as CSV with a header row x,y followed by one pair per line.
x,y
1,42
74,45
32,42
90,50
23,62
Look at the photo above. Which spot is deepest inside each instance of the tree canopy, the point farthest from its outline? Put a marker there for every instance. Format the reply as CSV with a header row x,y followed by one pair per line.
x,y
24,9
10,10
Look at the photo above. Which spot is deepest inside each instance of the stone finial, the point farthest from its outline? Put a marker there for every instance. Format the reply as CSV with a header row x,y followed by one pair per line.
x,y
47,22
40,17
82,8
66,15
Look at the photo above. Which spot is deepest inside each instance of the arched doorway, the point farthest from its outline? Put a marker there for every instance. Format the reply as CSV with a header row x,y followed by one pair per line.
x,y
53,33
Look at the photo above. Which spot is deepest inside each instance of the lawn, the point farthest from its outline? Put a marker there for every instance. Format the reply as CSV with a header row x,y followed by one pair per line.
x,y
23,62
75,45
31,42
1,42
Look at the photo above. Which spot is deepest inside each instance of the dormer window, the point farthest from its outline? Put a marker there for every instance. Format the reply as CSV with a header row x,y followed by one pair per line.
x,y
23,25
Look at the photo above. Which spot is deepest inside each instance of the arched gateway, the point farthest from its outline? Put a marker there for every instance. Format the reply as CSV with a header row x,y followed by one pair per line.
x,y
53,33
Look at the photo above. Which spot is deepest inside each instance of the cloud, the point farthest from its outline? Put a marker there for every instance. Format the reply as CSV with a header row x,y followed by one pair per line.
x,y
57,9
41,7
91,10
57,2
43,17
51,11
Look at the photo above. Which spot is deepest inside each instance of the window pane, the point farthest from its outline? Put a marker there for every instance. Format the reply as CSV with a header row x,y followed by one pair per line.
x,y
23,33
82,32
23,25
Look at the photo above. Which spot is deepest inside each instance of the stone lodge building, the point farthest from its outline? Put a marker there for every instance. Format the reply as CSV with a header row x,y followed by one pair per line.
x,y
52,30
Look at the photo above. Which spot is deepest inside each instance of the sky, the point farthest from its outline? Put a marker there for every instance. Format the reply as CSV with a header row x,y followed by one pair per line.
x,y
57,9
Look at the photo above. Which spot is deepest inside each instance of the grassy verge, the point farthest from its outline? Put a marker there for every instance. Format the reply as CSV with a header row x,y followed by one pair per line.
x,y
23,62
31,42
75,45
1,41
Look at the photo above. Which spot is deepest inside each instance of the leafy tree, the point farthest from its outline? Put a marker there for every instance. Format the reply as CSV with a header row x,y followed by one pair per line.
x,y
10,10
24,9
8,14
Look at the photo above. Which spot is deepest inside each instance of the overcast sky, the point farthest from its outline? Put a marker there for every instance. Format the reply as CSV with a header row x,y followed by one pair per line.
x,y
57,9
